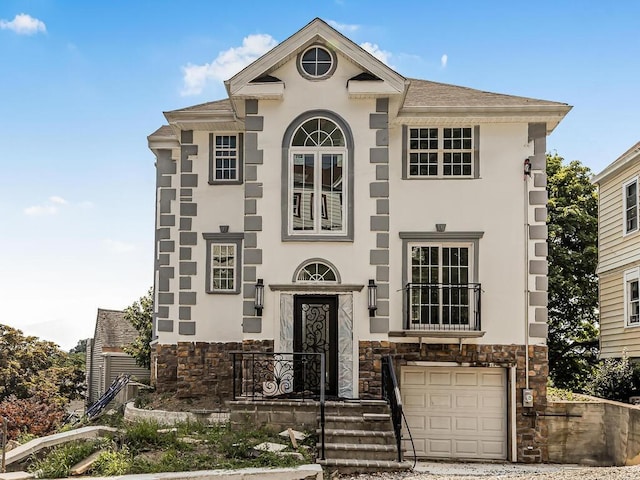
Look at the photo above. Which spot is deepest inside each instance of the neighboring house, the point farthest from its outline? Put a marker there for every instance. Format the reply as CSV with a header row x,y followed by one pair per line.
x,y
106,359
619,255
331,204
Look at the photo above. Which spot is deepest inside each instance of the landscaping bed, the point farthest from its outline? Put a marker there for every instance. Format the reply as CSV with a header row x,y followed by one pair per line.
x,y
147,447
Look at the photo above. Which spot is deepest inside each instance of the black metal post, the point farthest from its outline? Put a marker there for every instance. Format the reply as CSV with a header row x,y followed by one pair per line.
x,y
322,392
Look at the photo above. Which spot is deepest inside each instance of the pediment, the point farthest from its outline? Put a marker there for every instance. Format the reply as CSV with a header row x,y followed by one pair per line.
x,y
244,84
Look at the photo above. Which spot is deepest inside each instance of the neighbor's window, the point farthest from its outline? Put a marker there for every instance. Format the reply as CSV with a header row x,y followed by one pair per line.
x,y
440,152
225,158
630,195
632,298
317,169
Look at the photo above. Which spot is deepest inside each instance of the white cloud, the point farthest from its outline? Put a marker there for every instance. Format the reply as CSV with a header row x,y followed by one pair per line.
x,y
443,60
226,64
343,27
58,200
50,207
117,246
23,24
377,52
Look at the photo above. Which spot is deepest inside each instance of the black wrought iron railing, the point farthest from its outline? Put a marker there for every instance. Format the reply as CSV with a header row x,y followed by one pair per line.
x,y
281,375
443,306
391,393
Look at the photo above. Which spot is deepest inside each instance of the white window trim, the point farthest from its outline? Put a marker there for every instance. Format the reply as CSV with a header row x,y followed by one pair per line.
x,y
317,199
234,239
470,267
440,151
624,207
239,159
629,276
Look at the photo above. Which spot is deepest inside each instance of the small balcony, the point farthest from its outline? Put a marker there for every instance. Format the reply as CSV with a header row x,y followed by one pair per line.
x,y
442,310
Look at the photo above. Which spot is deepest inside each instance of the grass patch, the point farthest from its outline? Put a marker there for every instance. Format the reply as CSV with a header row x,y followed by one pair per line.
x,y
141,448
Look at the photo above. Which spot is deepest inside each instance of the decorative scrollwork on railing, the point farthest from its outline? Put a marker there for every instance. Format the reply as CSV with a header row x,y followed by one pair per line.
x,y
276,375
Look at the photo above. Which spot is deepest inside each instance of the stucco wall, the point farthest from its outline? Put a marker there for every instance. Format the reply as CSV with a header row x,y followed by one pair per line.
x,y
594,433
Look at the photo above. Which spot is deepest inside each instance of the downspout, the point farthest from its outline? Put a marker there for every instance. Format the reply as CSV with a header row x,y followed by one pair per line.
x,y
527,176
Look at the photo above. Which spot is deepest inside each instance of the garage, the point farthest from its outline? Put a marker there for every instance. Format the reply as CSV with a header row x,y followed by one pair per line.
x,y
456,412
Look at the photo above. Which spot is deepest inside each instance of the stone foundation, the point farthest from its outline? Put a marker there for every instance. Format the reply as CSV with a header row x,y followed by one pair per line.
x,y
531,430
201,369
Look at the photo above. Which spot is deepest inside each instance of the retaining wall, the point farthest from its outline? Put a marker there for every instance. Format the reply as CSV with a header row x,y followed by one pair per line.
x,y
602,432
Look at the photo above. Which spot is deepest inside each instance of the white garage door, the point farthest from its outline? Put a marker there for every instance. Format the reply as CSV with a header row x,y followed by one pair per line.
x,y
456,412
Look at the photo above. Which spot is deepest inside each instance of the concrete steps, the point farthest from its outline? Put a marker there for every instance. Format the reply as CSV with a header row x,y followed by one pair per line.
x,y
359,437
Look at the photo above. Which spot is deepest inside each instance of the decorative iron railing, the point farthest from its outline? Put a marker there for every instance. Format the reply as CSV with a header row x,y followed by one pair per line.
x,y
391,393
281,375
443,306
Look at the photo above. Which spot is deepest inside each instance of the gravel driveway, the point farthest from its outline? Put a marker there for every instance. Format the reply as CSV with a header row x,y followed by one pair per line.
x,y
489,471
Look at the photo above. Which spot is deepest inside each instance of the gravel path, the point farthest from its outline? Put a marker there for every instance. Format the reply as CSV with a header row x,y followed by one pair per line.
x,y
466,471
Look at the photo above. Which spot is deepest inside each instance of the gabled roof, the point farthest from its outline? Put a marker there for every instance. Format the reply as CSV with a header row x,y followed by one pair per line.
x,y
631,155
315,31
113,330
423,93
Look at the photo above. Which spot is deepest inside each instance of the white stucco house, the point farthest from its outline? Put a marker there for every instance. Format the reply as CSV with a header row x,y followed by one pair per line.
x,y
330,204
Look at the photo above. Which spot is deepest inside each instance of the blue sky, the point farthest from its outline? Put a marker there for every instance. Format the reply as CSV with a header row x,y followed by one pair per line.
x,y
83,83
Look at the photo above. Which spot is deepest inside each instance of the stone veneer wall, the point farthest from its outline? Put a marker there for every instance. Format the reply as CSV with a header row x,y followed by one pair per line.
x,y
201,369
532,435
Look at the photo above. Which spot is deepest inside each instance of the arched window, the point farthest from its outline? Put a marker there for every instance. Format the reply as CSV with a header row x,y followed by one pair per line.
x,y
317,168
315,271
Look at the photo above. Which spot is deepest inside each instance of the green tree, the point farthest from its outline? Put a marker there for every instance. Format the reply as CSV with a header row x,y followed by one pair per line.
x,y
81,347
140,314
573,284
33,367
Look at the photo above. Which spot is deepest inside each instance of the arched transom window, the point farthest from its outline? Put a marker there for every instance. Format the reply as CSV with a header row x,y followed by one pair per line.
x,y
317,168
316,271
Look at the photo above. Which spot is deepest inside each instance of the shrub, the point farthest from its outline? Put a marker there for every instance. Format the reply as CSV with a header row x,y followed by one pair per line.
x,y
58,463
35,416
614,379
110,463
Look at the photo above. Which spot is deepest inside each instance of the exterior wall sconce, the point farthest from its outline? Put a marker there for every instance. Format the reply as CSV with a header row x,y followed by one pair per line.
x,y
527,167
259,299
373,298
441,227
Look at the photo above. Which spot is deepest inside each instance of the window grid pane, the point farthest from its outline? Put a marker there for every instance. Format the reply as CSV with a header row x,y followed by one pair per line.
x,y
226,156
441,295
223,260
634,302
631,207
446,152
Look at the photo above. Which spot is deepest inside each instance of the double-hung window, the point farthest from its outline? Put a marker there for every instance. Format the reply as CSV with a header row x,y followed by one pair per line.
x,y
223,262
632,298
630,201
317,186
441,152
225,158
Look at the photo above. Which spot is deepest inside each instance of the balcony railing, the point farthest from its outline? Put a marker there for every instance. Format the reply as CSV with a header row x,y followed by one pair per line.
x,y
442,306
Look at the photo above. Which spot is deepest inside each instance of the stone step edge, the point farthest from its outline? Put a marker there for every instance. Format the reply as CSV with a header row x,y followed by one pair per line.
x,y
355,433
379,464
365,447
358,419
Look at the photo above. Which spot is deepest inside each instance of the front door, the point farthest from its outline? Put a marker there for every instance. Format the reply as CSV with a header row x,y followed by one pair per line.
x,y
315,330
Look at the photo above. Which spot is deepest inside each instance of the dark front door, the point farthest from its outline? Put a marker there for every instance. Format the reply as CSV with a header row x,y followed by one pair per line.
x,y
315,330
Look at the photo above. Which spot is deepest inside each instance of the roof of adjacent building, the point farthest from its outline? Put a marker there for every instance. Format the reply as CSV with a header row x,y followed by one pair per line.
x,y
631,155
113,329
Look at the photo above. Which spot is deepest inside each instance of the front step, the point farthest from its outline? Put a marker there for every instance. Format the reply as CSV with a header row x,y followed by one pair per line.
x,y
349,465
359,437
376,437
361,451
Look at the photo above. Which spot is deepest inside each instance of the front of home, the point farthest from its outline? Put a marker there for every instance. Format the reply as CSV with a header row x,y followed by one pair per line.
x,y
619,255
331,205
